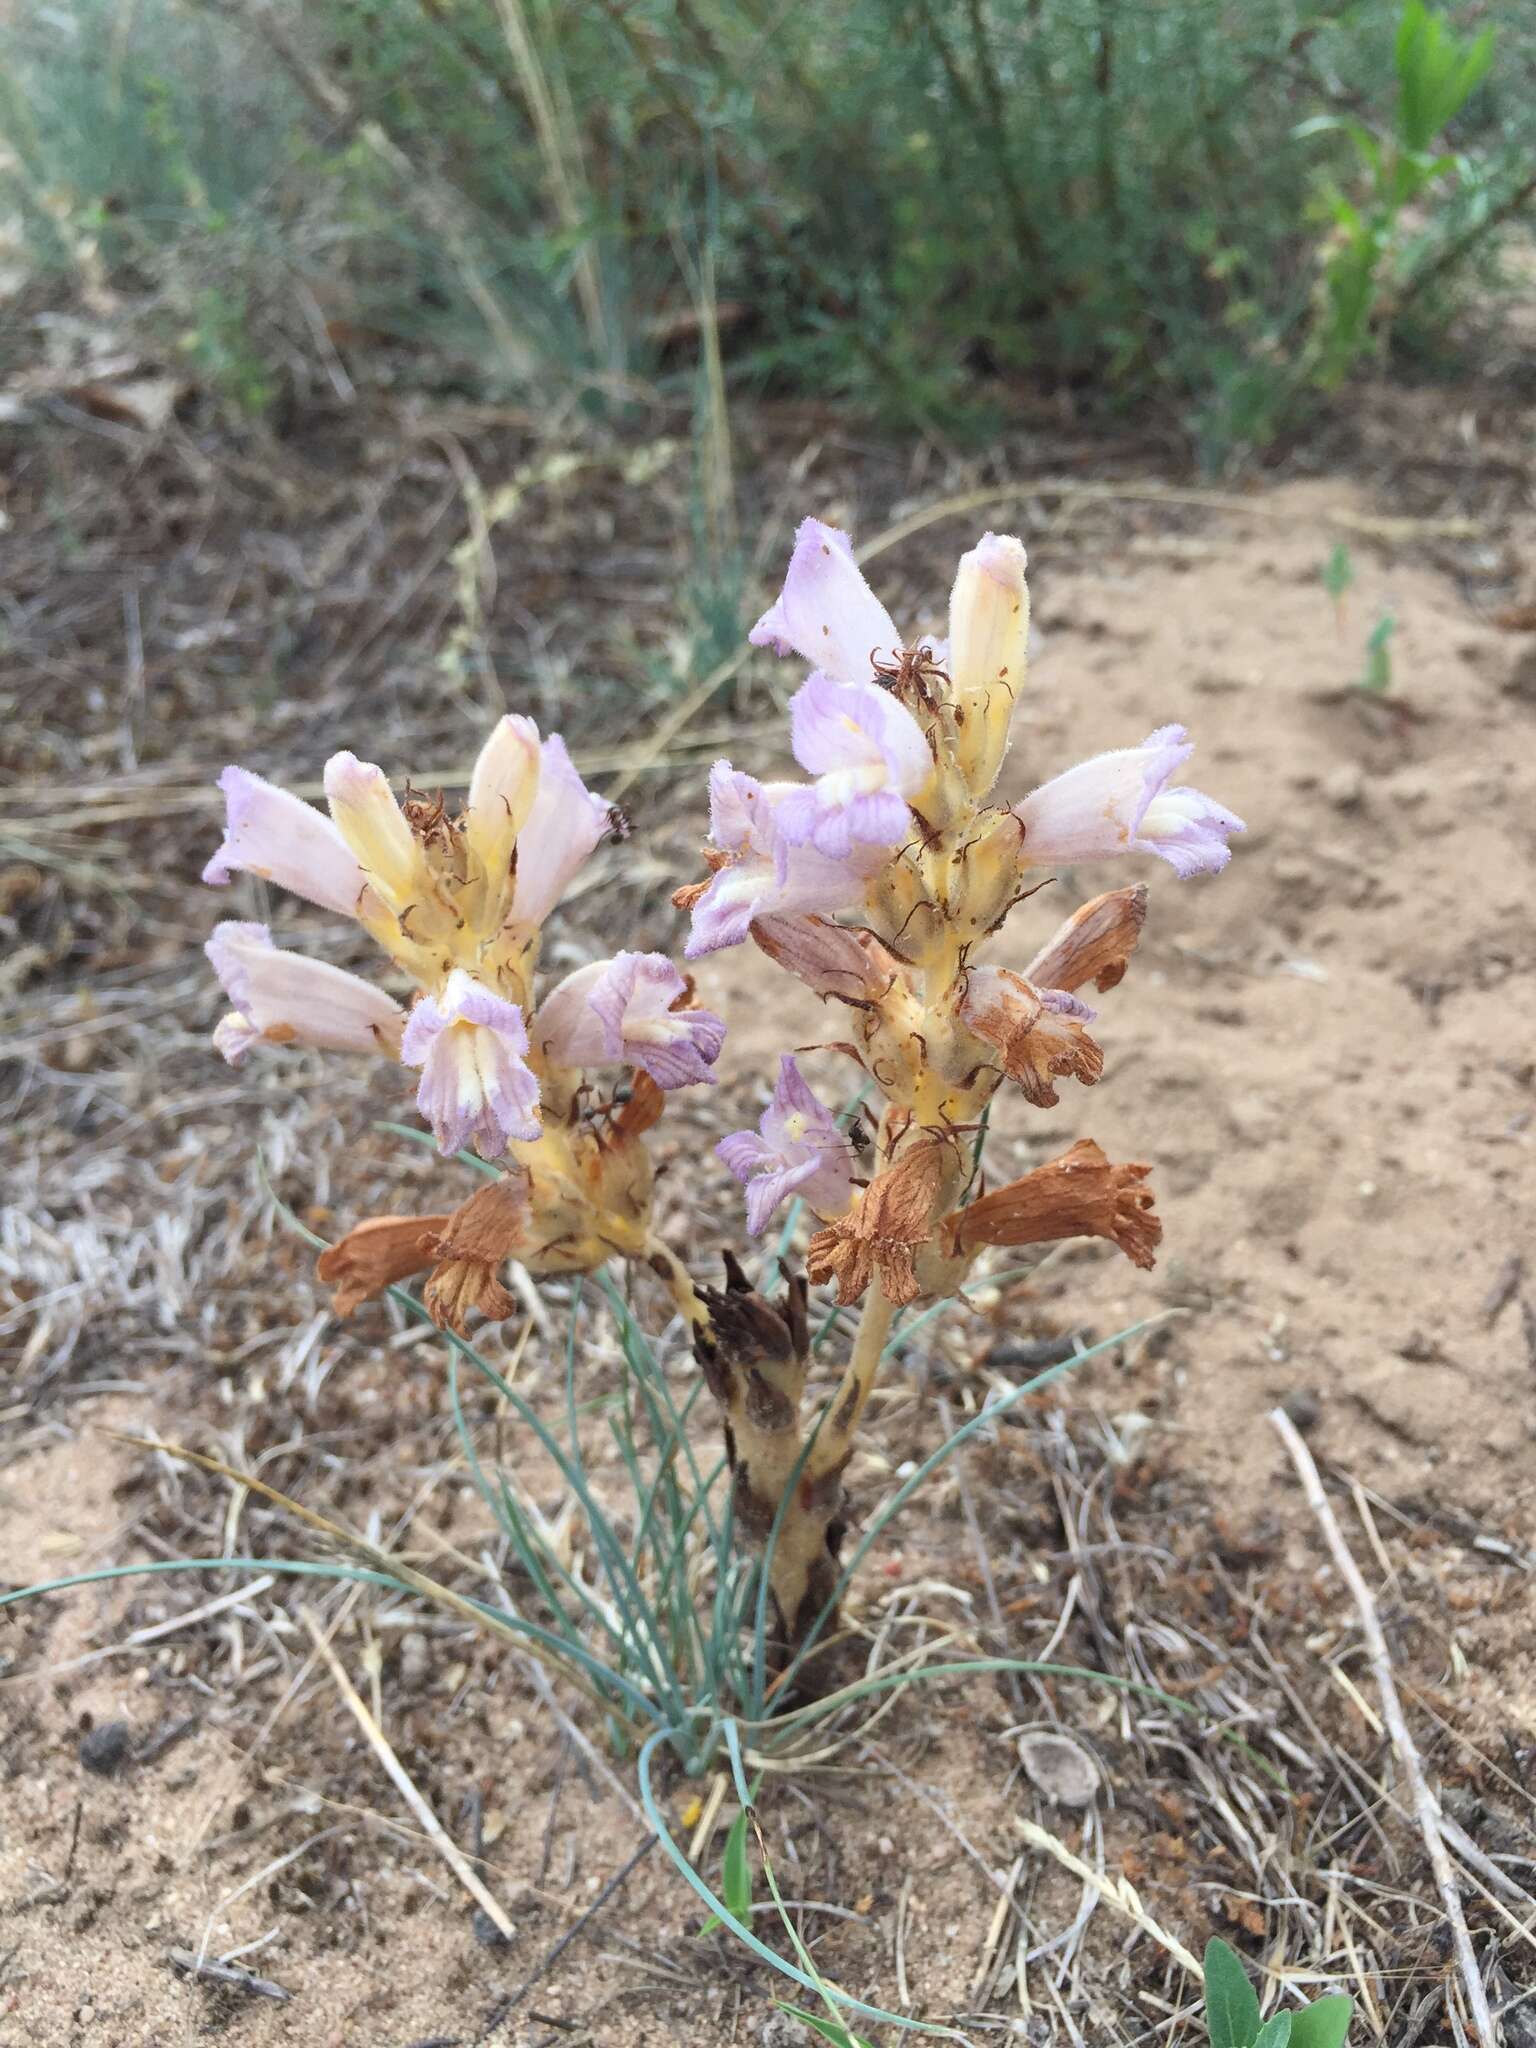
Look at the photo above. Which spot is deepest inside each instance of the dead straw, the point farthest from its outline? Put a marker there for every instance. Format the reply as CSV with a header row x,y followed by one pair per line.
x,y
379,1743
1425,1804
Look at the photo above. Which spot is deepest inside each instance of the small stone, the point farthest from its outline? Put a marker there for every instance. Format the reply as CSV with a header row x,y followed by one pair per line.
x,y
779,2030
1060,1768
1344,786
105,1749
1521,681
1304,1409
486,1932
415,1660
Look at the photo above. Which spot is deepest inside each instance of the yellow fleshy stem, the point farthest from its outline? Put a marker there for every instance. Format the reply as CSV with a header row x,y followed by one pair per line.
x,y
669,1268
837,1433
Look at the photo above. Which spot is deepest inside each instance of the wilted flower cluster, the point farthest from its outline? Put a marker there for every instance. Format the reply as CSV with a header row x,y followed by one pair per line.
x,y
877,879
458,903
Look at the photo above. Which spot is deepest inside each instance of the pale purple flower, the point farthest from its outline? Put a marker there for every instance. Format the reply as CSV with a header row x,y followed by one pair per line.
x,y
564,824
797,1148
622,1010
269,833
826,611
868,755
764,874
286,999
471,1046
1121,803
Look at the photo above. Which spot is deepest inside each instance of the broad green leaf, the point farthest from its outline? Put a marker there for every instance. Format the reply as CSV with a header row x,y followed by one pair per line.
x,y
1324,2023
1231,2003
1275,2032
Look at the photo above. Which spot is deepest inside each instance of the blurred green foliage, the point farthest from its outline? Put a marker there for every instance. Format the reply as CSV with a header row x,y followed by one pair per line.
x,y
1218,205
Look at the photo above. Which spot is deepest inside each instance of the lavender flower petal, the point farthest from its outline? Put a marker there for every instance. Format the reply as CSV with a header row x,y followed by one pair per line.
x,y
826,611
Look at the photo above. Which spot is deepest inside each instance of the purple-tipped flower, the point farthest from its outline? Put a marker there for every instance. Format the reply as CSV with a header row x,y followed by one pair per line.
x,y
286,999
624,1009
868,755
269,833
758,872
826,611
564,824
1121,803
471,1047
797,1148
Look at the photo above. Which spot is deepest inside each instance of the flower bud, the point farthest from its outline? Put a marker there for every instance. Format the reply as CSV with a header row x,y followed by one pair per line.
x,y
501,793
368,818
988,639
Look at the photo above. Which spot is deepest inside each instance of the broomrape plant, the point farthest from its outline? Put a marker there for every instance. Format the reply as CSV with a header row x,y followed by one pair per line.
x,y
877,880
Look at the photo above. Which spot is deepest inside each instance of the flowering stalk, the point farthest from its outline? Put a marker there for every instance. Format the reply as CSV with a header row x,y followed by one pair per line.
x,y
877,882
457,903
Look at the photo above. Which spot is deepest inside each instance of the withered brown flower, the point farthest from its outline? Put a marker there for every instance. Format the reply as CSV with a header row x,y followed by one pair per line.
x,y
827,957
1037,1039
1095,944
883,1231
1078,1195
475,1241
375,1254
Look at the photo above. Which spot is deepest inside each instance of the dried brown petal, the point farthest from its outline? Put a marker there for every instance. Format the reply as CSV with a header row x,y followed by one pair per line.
x,y
489,1226
483,1232
1095,944
642,1110
827,957
690,892
375,1254
1036,1043
459,1285
1078,1195
883,1230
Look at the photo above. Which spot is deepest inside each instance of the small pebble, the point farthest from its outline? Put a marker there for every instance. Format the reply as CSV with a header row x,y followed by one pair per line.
x,y
105,1749
486,1932
1305,1410
1344,786
1059,1768
415,1660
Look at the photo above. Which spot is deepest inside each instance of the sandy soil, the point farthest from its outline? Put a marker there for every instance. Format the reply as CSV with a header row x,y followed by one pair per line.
x,y
1328,1056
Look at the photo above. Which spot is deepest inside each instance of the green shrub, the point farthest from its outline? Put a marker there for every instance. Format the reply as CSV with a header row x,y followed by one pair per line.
x,y
913,203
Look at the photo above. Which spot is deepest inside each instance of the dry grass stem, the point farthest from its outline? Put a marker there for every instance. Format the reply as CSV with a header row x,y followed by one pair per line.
x,y
1117,1892
378,1742
1425,1804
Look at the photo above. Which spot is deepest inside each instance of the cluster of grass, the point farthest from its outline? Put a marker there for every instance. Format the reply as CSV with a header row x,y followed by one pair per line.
x,y
909,202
